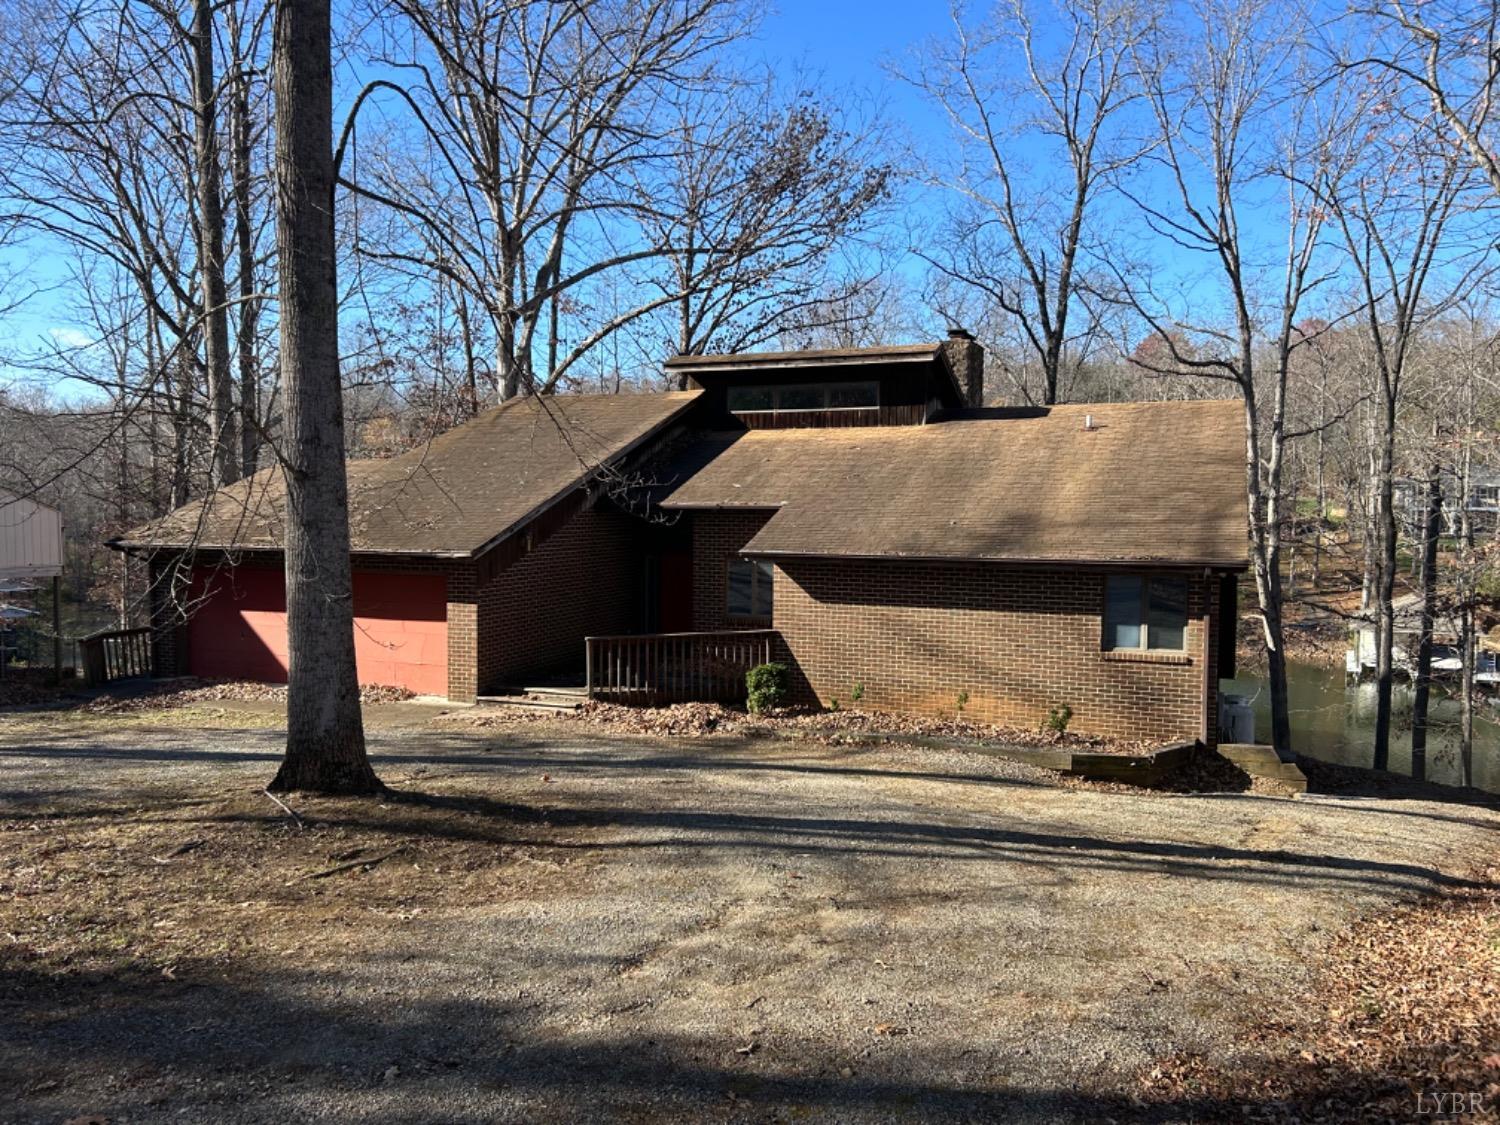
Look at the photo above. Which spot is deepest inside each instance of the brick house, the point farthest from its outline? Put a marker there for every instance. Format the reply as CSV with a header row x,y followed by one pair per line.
x,y
854,513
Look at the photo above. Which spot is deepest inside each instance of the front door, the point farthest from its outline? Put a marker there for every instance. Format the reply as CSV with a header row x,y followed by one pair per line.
x,y
675,592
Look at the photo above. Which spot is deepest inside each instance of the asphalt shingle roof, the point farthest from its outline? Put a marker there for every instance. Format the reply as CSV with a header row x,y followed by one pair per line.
x,y
451,497
1154,482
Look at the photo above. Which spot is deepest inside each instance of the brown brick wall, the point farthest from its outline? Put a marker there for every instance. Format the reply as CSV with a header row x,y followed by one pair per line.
x,y
166,619
1018,641
718,537
584,579
463,632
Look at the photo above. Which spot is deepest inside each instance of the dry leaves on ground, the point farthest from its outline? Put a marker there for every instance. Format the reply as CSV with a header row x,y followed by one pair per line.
x,y
1405,1005
185,693
197,878
19,689
826,726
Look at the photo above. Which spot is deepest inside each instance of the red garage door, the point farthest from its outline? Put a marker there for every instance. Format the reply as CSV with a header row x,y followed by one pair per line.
x,y
238,628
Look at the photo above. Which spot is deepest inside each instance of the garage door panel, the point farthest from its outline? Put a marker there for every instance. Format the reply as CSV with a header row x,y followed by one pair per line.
x,y
401,599
238,628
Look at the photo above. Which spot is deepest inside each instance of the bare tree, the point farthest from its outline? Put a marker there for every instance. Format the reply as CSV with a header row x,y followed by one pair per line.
x,y
208,178
1446,52
760,208
248,118
325,744
1038,103
537,121
111,141
1232,120
1396,219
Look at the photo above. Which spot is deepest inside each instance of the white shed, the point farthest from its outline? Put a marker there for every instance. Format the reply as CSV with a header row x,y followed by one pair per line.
x,y
31,539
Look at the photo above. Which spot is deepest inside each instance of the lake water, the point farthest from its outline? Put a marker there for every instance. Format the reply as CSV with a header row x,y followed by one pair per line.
x,y
1335,722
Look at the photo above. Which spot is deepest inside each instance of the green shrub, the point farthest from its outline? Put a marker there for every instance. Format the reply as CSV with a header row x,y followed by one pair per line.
x,y
1059,717
767,686
858,693
833,704
962,701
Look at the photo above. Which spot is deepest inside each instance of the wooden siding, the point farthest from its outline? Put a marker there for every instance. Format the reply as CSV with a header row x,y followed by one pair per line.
x,y
908,392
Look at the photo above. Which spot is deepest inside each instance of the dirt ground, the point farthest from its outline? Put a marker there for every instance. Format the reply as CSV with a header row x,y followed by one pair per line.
x,y
549,924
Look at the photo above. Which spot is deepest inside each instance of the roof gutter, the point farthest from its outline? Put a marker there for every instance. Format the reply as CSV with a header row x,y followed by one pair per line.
x,y
706,364
749,551
133,547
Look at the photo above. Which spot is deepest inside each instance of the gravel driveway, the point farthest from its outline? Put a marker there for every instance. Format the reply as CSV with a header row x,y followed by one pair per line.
x,y
719,930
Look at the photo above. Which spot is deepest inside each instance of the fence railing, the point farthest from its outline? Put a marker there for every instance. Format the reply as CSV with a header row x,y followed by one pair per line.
x,y
654,668
116,654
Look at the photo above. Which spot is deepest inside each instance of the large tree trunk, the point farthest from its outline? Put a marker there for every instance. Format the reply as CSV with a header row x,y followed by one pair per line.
x,y
208,170
1265,549
1431,527
1467,636
1385,578
182,427
508,367
244,241
325,744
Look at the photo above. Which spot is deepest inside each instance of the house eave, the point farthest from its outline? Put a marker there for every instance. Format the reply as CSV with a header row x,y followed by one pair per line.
x,y
752,361
137,546
1233,565
583,481
689,506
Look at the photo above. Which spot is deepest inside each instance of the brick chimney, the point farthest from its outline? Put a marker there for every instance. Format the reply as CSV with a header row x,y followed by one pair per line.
x,y
966,357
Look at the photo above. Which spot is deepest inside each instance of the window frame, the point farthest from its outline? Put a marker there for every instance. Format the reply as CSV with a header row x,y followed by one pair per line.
x,y
826,389
762,574
1143,615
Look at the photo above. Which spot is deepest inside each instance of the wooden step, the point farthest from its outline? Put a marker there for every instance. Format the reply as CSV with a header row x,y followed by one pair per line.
x,y
1263,761
553,699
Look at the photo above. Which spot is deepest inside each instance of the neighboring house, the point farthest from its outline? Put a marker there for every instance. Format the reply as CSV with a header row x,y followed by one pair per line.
x,y
849,512
1482,502
31,547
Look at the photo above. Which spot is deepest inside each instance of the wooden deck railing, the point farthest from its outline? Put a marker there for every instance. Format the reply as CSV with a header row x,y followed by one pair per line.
x,y
656,668
116,654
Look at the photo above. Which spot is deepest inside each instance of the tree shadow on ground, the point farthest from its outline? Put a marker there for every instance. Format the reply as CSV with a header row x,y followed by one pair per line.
x,y
264,1042
472,817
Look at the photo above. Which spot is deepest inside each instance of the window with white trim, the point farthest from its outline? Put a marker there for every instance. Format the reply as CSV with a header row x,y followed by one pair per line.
x,y
1145,613
750,582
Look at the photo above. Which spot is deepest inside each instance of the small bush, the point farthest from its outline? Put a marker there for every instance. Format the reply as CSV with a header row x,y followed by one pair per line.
x,y
962,701
767,686
833,704
1058,718
858,693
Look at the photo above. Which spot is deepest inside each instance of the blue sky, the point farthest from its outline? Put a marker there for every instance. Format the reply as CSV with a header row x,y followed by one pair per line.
x,y
843,42
850,40
842,46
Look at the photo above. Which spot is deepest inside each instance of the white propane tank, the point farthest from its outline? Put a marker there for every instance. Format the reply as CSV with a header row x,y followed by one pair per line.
x,y
1236,719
